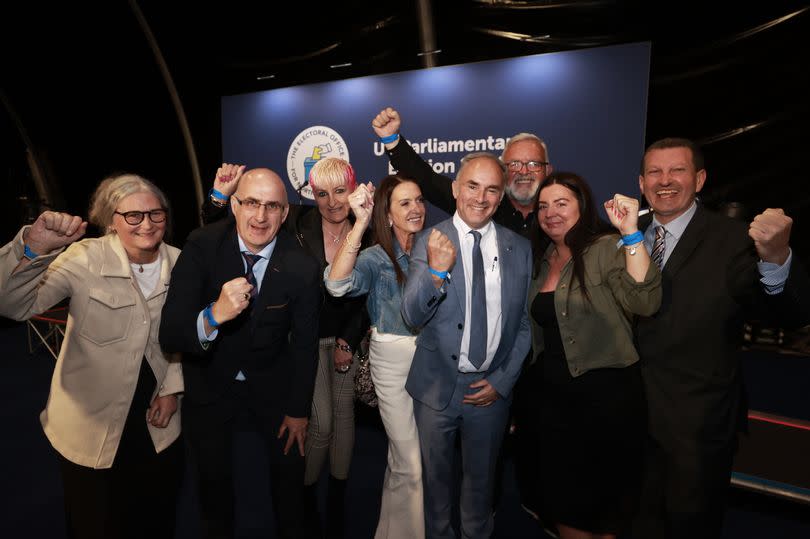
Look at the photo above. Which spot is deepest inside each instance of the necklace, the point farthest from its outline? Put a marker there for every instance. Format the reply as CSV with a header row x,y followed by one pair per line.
x,y
336,238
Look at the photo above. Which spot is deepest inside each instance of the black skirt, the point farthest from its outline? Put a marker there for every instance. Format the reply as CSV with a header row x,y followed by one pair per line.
x,y
591,436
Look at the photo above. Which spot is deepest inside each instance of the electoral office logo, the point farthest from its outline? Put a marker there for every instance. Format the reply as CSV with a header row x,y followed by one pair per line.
x,y
310,146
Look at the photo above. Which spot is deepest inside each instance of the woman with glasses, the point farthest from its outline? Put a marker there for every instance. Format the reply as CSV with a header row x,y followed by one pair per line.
x,y
112,413
342,325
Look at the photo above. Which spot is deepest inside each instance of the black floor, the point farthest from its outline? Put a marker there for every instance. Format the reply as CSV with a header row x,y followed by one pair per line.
x,y
32,501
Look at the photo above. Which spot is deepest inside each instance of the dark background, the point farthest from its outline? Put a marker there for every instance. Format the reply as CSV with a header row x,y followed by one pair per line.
x,y
83,94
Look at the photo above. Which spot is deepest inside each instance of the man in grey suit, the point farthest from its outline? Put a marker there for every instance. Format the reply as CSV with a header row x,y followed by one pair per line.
x,y
466,290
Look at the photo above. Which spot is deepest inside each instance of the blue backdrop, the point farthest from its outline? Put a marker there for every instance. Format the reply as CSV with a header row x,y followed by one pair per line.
x,y
588,105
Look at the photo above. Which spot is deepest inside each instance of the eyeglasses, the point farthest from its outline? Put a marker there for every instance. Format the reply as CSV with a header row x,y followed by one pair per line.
x,y
136,217
253,205
532,166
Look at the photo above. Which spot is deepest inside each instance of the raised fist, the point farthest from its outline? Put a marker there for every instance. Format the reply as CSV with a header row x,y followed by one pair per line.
x,y
227,179
386,123
623,213
54,230
770,231
233,299
362,202
441,253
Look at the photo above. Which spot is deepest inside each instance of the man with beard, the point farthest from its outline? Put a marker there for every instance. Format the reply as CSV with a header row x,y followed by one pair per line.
x,y
526,159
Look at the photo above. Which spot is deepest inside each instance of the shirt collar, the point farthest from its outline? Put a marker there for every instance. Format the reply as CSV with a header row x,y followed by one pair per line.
x,y
465,229
265,253
677,226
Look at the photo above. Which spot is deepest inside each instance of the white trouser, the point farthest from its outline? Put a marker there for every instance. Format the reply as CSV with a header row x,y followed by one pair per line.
x,y
402,511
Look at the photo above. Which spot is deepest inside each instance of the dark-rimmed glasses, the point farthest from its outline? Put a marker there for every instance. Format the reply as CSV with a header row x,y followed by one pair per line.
x,y
136,217
253,205
531,166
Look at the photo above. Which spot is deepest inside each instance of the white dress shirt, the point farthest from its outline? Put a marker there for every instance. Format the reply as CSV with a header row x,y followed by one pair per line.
x,y
492,280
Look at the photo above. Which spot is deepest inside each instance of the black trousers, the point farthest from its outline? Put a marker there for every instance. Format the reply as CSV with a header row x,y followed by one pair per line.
x,y
685,489
208,431
137,496
527,437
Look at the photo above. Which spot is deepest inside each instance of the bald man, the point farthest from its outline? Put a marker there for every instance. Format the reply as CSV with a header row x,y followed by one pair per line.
x,y
243,308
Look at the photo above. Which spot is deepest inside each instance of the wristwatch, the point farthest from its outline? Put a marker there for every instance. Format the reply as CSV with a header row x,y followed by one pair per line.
x,y
343,347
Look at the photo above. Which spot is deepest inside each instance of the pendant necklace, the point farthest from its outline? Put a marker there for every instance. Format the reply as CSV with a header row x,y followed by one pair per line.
x,y
335,239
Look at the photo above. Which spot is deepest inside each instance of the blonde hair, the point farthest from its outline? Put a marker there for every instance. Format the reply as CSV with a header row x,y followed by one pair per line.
x,y
332,172
111,191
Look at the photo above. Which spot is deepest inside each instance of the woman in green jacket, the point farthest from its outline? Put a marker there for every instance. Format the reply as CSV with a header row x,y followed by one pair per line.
x,y
588,285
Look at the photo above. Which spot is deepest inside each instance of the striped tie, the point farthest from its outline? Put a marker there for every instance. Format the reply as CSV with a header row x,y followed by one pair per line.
x,y
250,260
659,247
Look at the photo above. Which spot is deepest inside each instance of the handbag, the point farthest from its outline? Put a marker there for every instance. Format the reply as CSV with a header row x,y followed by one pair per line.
x,y
363,384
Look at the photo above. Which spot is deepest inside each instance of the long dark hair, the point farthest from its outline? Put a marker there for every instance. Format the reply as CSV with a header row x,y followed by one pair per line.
x,y
589,228
383,233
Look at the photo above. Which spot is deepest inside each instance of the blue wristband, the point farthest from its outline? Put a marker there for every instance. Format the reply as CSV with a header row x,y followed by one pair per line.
x,y
439,274
632,239
219,196
28,253
390,138
209,316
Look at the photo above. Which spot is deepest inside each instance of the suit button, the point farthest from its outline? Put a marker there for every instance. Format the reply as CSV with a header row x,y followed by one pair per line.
x,y
461,326
455,357
571,340
564,313
562,285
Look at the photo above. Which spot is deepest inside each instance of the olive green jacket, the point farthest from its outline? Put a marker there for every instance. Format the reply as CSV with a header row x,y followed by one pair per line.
x,y
599,333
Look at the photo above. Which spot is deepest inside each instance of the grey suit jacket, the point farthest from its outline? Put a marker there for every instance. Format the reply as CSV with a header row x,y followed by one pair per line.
x,y
439,313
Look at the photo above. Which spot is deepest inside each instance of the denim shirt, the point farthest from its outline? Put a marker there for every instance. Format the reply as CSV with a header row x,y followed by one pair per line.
x,y
374,274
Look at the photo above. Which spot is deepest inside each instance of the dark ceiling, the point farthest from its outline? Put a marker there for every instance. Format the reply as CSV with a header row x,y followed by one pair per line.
x,y
84,94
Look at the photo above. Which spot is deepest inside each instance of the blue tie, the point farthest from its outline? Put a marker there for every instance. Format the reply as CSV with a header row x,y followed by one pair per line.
x,y
478,306
250,260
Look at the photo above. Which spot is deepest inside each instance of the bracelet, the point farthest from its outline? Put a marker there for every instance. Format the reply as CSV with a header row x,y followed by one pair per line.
x,y
217,199
352,247
631,239
209,316
344,347
439,274
28,253
390,138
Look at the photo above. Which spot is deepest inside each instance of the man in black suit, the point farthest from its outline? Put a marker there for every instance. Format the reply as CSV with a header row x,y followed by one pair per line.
x,y
713,275
243,307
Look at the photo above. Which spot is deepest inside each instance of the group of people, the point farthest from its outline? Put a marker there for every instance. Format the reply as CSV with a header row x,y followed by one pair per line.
x,y
618,341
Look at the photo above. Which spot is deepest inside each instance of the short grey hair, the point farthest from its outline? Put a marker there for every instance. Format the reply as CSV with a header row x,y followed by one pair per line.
x,y
467,159
525,136
111,191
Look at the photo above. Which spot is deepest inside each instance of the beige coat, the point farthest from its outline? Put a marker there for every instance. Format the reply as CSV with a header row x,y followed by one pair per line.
x,y
110,328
